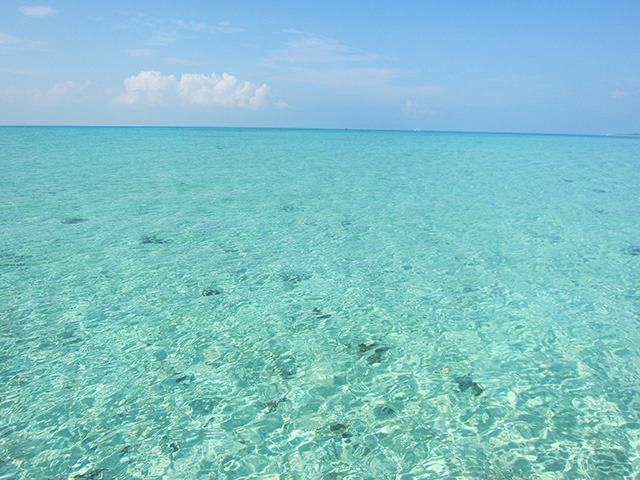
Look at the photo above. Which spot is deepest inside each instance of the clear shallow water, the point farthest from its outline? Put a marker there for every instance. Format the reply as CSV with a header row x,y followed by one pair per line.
x,y
228,303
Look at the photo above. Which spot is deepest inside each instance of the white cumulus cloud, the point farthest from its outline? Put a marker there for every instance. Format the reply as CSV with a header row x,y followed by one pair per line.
x,y
148,88
152,88
38,11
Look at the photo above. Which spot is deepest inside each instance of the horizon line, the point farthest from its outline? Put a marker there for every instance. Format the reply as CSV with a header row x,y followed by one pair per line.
x,y
325,129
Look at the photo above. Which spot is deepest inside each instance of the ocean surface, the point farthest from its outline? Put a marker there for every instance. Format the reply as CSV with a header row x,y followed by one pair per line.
x,y
201,303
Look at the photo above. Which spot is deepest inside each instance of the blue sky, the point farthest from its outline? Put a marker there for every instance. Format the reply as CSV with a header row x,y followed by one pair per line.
x,y
512,66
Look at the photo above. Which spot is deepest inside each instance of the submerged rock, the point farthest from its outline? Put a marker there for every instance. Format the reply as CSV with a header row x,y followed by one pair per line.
x,y
207,292
152,240
634,250
318,313
364,348
95,474
183,379
126,449
12,260
336,427
466,383
377,355
73,220
293,278
341,429
383,411
273,405
169,444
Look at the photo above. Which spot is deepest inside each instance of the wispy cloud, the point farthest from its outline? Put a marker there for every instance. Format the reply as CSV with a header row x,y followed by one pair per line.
x,y
152,88
9,39
162,32
357,77
364,80
38,11
314,49
181,61
316,60
140,52
11,43
62,93
293,31
191,25
168,31
413,109
225,27
620,94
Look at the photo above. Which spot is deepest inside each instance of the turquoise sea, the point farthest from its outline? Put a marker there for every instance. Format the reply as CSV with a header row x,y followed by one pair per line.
x,y
202,303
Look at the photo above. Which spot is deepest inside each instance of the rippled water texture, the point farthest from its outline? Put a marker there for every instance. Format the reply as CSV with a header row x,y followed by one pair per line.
x,y
284,304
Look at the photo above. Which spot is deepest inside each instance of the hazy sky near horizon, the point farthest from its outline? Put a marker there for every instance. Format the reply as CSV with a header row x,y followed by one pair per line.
x,y
557,66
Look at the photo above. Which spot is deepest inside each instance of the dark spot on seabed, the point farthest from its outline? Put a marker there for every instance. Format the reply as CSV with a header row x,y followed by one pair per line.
x,y
318,313
207,292
340,428
170,444
152,240
293,278
363,347
465,383
383,411
271,406
12,260
336,427
73,221
91,475
185,378
126,449
377,355
634,250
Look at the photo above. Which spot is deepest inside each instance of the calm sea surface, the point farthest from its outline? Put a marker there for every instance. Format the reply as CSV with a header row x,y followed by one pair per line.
x,y
297,304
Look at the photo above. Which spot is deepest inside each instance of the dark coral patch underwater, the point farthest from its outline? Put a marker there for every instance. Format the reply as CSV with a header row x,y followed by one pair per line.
x,y
12,260
73,220
152,240
293,278
466,383
319,314
633,250
378,355
207,292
